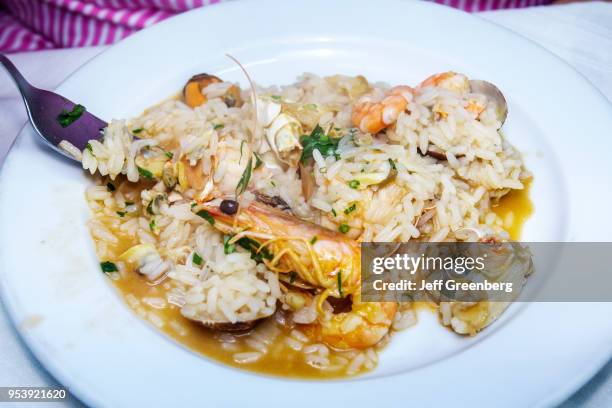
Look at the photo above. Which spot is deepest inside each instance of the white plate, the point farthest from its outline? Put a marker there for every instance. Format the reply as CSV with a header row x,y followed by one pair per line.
x,y
82,332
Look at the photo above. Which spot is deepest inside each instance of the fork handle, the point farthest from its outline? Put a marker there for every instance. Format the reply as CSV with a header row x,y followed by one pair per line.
x,y
24,86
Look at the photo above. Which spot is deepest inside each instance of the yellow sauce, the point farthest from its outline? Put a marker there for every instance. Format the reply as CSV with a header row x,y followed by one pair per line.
x,y
514,209
281,360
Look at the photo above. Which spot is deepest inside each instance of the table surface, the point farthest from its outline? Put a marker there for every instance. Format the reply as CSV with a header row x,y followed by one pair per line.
x,y
580,34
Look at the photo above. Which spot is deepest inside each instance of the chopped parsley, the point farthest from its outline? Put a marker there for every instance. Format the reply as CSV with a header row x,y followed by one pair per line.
x,y
292,277
128,203
241,146
121,213
344,228
168,154
66,118
108,267
392,163
350,209
88,147
110,186
354,184
313,240
258,161
318,140
152,225
219,126
227,247
145,173
206,215
334,212
150,207
137,131
253,246
245,178
340,283
273,183
197,259
276,97
311,106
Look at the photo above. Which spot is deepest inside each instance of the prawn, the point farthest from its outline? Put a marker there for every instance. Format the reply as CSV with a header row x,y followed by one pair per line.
x,y
373,117
458,83
327,260
448,80
364,326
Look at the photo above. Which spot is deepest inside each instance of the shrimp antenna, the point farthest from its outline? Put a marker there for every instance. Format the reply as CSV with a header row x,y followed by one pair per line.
x,y
253,91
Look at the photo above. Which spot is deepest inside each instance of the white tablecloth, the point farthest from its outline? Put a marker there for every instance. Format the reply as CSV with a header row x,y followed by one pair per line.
x,y
581,34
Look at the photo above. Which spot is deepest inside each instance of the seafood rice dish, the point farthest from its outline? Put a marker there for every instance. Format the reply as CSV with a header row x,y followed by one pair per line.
x,y
231,218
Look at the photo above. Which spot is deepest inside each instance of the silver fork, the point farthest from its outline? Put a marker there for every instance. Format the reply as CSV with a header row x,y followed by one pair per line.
x,y
54,117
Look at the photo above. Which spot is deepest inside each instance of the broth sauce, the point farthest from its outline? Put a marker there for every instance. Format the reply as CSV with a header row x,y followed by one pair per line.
x,y
148,301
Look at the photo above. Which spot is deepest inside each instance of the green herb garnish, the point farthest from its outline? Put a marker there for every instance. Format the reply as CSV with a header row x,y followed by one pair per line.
x,y
121,213
197,259
152,225
108,267
276,97
137,131
392,163
88,147
334,212
340,283
66,118
258,161
206,215
241,146
245,178
313,240
318,140
354,184
145,173
227,247
350,209
292,277
253,246
168,154
110,187
150,207
128,203
343,228
219,126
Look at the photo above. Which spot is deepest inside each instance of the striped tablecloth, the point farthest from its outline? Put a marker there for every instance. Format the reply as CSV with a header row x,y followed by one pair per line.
x,y
27,25
581,34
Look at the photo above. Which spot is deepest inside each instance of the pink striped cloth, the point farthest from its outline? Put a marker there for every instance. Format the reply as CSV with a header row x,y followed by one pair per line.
x,y
485,5
27,25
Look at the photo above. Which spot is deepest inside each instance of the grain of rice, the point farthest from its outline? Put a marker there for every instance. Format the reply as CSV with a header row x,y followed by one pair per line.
x,y
298,335
178,328
155,302
247,358
155,319
356,364
257,345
